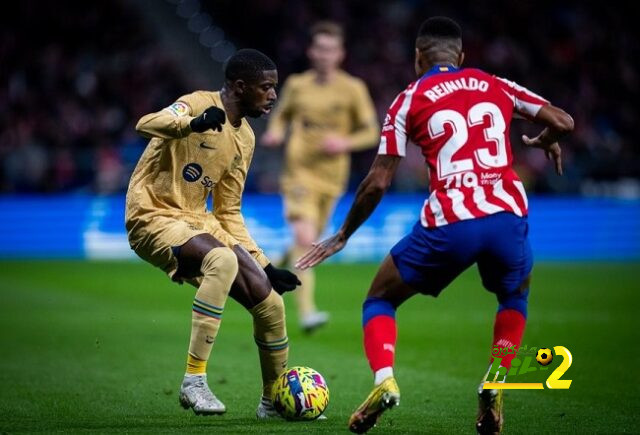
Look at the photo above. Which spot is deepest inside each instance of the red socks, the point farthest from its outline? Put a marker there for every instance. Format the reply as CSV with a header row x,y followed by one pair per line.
x,y
379,324
507,333
380,341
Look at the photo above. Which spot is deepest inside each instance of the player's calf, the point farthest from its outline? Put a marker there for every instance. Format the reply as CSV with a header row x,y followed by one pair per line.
x,y
379,324
219,268
507,333
270,333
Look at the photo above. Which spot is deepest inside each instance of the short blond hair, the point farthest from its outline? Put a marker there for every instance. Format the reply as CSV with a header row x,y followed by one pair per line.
x,y
330,28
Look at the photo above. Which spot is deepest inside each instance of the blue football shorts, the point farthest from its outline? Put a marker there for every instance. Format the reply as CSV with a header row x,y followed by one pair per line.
x,y
428,259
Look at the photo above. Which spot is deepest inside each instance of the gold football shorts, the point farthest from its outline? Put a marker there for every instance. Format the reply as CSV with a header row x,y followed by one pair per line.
x,y
303,203
155,238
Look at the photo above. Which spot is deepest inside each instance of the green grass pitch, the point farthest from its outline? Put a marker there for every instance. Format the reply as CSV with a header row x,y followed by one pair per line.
x,y
101,346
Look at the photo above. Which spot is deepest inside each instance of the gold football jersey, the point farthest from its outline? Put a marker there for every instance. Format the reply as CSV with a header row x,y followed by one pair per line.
x,y
179,169
313,111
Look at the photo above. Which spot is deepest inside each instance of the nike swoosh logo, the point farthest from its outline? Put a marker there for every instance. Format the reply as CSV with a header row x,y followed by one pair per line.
x,y
204,145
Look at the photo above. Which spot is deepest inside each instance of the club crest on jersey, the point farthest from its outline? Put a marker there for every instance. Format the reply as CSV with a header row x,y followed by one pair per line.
x,y
178,109
192,172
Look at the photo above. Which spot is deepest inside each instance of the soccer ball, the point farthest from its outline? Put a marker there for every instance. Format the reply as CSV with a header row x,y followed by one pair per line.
x,y
300,393
544,356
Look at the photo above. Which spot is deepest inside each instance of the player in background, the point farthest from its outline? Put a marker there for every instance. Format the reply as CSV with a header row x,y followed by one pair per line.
x,y
202,145
330,114
476,212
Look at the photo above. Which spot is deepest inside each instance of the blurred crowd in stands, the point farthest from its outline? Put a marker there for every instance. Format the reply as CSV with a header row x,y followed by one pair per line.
x,y
80,75
77,76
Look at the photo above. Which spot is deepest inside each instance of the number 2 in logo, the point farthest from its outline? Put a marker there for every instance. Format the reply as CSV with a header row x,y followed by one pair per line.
x,y
554,381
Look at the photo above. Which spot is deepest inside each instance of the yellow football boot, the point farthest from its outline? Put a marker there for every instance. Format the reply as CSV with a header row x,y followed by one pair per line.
x,y
384,396
490,418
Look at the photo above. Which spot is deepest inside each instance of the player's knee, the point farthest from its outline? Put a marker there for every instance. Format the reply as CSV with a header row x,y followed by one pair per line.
x,y
278,304
303,243
304,233
270,309
223,263
525,284
269,312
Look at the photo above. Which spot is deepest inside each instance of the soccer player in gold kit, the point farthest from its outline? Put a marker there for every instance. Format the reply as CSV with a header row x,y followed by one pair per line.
x,y
329,114
202,145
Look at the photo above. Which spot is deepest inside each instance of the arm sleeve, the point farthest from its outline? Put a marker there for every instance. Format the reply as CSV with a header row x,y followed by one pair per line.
x,y
281,115
393,139
227,200
172,122
365,120
526,104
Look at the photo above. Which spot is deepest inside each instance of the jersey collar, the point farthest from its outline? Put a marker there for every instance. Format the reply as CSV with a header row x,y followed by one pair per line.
x,y
437,69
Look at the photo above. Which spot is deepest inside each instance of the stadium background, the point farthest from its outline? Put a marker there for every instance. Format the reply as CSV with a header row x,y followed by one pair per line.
x,y
77,76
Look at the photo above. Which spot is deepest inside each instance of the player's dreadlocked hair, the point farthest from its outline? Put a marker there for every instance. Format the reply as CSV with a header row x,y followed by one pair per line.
x,y
247,64
439,33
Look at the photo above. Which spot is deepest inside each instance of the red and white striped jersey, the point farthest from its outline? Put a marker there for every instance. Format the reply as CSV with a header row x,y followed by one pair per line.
x,y
460,118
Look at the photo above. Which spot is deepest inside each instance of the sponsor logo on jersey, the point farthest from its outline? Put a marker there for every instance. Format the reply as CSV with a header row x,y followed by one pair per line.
x,y
204,145
192,172
178,109
387,125
489,178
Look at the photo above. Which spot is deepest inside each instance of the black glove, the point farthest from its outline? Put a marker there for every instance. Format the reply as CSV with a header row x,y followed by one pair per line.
x,y
212,118
281,279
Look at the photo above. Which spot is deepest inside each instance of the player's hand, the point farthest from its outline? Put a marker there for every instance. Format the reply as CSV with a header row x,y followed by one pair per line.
x,y
552,151
281,279
321,251
333,144
270,139
212,118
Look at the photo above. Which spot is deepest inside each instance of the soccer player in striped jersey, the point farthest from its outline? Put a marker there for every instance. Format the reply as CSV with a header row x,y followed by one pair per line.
x,y
476,212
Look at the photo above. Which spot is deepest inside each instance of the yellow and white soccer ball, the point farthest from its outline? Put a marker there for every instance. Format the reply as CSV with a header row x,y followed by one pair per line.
x,y
544,356
300,393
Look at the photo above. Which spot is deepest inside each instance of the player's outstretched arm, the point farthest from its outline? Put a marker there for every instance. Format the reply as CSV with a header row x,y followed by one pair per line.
x,y
175,122
368,196
558,124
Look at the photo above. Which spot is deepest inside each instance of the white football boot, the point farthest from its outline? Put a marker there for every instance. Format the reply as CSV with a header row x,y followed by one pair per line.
x,y
267,411
314,320
195,394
